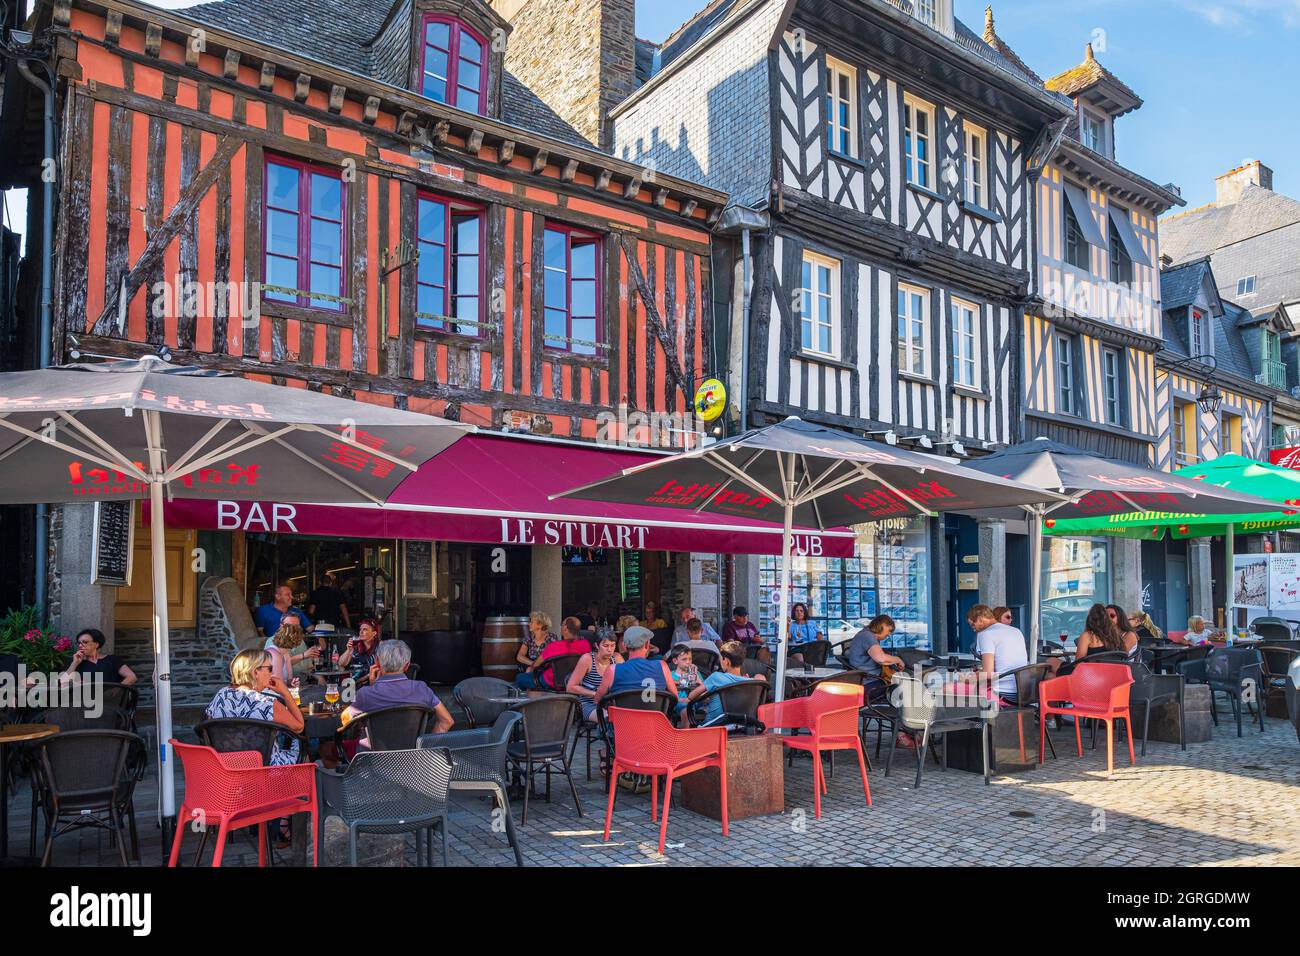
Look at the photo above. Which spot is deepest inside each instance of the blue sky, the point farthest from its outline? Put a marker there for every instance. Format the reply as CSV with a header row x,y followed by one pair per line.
x,y
1217,76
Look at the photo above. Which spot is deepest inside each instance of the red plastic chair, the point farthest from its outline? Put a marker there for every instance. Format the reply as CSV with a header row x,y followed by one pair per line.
x,y
1097,691
830,716
649,745
233,790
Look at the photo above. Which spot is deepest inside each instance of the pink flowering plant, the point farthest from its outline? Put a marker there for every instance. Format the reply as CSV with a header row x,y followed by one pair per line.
x,y
40,649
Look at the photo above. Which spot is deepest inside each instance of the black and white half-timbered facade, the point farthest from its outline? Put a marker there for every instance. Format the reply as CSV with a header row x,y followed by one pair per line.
x,y
884,231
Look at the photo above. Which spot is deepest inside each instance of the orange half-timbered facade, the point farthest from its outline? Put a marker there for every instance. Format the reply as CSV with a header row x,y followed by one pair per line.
x,y
244,207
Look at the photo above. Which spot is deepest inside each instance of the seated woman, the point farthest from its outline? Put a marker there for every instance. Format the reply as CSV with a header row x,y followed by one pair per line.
x,y
800,631
289,651
530,651
1100,633
1145,628
359,656
653,619
1002,615
1127,634
256,693
89,660
588,673
866,654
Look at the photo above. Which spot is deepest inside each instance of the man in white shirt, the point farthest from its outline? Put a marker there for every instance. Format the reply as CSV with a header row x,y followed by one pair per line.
x,y
1000,647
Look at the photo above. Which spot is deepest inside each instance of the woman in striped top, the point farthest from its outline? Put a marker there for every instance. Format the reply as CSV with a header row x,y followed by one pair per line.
x,y
589,671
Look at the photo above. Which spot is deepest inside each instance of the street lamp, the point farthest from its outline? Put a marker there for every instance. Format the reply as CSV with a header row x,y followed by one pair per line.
x,y
1210,397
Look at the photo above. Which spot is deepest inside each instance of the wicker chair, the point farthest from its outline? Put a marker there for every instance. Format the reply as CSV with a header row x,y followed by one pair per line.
x,y
547,722
1276,662
83,782
479,698
1226,670
391,728
389,791
558,669
479,764
814,653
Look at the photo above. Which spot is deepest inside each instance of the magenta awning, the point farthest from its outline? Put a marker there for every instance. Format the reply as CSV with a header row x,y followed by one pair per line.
x,y
496,490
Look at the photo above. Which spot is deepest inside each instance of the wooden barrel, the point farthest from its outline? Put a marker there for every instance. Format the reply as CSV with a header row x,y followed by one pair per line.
x,y
501,639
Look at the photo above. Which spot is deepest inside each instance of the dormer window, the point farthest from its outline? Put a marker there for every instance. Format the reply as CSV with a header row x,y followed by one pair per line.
x,y
1092,130
936,14
453,65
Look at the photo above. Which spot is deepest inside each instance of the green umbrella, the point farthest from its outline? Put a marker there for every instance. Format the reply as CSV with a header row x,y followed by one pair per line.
x,y
1235,472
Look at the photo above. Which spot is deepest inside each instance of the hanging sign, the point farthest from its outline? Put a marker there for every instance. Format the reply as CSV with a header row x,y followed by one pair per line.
x,y
113,546
710,399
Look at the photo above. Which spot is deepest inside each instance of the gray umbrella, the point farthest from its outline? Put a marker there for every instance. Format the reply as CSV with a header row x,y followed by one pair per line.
x,y
797,472
1097,486
147,429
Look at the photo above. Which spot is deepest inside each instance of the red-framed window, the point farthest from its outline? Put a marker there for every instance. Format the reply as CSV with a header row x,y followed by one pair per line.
x,y
449,277
453,64
571,290
305,209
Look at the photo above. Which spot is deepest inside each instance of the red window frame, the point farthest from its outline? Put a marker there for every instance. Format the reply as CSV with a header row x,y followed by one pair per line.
x,y
451,208
457,27
305,218
594,239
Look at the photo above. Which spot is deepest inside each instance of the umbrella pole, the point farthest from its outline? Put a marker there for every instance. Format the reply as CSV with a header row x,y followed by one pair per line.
x,y
161,650
1035,580
782,629
1229,575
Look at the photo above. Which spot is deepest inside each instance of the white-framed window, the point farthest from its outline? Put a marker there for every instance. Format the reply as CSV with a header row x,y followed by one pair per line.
x,y
1065,377
1112,383
913,329
976,166
918,135
1198,333
965,343
841,108
927,11
1092,130
1184,426
1246,285
819,316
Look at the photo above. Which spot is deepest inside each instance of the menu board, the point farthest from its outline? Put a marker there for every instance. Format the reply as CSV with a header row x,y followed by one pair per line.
x,y
113,544
631,565
419,567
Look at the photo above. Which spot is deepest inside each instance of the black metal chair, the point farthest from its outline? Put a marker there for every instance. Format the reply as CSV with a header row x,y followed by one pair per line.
x,y
1276,662
481,698
1149,689
1229,671
1273,629
814,653
413,670
391,728
479,764
547,722
557,670
919,714
753,668
83,782
706,662
389,791
739,702
234,734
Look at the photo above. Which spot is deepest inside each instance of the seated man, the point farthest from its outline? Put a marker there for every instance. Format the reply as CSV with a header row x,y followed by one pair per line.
x,y
680,635
1000,647
570,641
733,656
390,687
637,672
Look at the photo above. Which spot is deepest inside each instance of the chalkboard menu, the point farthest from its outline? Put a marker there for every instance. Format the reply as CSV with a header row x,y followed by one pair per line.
x,y
114,543
631,561
419,567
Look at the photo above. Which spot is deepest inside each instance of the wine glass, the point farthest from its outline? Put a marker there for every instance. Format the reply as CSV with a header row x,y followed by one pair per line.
x,y
332,694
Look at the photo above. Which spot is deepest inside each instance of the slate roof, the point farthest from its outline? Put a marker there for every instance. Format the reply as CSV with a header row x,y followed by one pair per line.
x,y
1088,74
339,33
1258,235
968,38
1179,285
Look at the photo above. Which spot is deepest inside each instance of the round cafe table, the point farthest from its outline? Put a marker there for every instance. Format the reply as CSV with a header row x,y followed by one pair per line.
x,y
325,676
14,734
320,726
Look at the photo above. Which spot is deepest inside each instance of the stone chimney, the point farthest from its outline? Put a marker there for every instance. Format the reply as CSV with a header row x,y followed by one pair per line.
x,y
1229,187
577,56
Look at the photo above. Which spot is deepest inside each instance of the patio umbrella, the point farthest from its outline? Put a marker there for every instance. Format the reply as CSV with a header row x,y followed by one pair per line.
x,y
800,473
148,429
1097,487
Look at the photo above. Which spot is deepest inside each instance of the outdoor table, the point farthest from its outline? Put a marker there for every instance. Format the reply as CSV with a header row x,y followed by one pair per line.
x,y
13,734
325,676
755,780
1162,653
320,725
1013,743
817,673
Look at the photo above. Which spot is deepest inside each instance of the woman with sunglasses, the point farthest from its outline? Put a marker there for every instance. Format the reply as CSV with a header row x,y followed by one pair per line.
x,y
256,693
89,660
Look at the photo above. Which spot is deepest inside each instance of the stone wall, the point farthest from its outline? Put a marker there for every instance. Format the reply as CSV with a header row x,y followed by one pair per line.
x,y
577,56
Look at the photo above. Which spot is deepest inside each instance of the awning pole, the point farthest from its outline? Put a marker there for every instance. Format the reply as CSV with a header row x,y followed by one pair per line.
x,y
1035,580
1229,576
782,629
161,630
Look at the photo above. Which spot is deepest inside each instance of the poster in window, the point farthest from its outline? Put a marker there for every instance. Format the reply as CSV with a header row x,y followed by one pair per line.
x,y
1250,580
1284,578
853,611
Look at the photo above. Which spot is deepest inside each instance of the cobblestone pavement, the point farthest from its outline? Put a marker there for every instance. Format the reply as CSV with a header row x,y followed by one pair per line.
x,y
1228,802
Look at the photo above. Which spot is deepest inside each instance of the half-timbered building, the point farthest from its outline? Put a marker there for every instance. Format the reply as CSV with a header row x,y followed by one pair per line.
x,y
876,154
360,198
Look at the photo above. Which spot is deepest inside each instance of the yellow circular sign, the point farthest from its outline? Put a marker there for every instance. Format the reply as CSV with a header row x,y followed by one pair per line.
x,y
710,399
